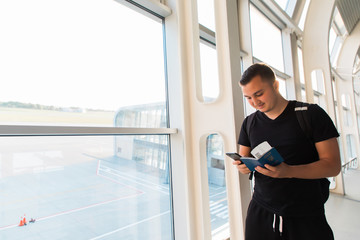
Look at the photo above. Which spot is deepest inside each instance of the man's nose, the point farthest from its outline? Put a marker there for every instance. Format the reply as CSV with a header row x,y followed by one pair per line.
x,y
255,100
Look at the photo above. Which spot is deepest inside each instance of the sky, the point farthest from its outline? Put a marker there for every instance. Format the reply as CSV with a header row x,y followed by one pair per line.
x,y
100,54
94,54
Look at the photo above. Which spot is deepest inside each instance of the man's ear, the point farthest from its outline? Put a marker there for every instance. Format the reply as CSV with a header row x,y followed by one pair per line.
x,y
276,85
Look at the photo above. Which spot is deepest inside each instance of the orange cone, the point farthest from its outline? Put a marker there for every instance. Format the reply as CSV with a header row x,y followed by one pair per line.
x,y
24,220
21,222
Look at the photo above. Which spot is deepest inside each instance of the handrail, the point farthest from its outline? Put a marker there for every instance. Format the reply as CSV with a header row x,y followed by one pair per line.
x,y
350,164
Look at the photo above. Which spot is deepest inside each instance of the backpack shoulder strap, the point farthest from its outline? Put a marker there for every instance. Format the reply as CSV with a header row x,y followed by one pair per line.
x,y
249,123
303,118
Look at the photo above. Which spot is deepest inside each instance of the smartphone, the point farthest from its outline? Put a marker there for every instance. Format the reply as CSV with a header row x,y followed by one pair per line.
x,y
237,157
234,156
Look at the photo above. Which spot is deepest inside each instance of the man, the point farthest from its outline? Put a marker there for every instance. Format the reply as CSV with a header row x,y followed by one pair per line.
x,y
288,199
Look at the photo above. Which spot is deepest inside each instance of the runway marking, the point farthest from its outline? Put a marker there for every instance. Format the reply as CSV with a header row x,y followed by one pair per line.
x,y
74,210
129,178
130,225
211,196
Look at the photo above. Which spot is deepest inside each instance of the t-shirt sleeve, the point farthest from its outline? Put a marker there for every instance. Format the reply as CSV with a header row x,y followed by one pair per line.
x,y
244,137
323,127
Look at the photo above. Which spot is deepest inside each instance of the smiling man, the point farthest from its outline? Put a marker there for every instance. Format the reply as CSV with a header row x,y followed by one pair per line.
x,y
288,200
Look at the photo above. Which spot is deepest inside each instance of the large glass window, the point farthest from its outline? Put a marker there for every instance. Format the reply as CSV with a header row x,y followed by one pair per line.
x,y
346,106
301,66
217,187
303,15
282,3
282,86
85,188
337,35
356,86
317,80
209,72
77,62
83,63
350,145
266,40
206,14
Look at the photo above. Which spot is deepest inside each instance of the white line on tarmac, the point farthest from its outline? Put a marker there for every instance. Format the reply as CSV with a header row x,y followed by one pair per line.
x,y
130,225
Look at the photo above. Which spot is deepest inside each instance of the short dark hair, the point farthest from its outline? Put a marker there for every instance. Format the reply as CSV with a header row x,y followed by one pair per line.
x,y
258,69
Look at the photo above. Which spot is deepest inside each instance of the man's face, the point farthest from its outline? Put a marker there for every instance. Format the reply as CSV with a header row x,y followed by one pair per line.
x,y
261,95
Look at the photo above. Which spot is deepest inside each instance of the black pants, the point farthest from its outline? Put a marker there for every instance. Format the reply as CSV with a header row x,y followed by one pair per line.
x,y
262,224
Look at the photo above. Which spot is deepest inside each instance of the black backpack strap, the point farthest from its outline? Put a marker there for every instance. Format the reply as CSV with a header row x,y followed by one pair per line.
x,y
249,122
304,119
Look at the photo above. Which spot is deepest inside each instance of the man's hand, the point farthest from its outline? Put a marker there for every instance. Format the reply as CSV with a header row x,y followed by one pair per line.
x,y
280,171
242,168
328,165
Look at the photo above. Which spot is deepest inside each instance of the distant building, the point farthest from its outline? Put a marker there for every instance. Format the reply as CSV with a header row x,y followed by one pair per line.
x,y
152,150
149,150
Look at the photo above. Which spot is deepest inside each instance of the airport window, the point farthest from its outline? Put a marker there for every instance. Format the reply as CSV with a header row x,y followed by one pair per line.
x,y
76,75
337,35
282,86
317,99
303,15
350,145
78,62
303,95
346,106
347,118
356,86
206,14
333,84
345,101
338,22
85,188
266,40
287,5
358,122
217,188
282,3
209,72
317,79
332,38
301,66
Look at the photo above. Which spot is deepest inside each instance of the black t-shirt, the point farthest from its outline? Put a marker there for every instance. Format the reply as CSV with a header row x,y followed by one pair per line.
x,y
289,196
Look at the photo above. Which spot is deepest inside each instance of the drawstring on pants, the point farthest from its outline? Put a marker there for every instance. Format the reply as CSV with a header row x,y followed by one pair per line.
x,y
280,224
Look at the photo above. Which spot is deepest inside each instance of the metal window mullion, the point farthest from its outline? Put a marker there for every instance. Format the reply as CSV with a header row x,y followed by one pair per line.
x,y
155,8
27,130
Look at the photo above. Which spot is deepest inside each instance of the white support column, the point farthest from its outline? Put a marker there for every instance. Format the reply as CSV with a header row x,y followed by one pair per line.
x,y
316,52
316,56
196,120
295,84
178,30
288,62
230,109
344,69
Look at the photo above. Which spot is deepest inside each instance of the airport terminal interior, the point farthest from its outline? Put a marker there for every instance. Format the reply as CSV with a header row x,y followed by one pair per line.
x,y
115,115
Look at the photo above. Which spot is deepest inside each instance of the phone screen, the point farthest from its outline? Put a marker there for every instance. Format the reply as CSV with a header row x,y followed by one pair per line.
x,y
234,156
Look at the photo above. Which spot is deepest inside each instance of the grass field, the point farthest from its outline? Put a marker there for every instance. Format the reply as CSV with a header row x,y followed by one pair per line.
x,y
49,117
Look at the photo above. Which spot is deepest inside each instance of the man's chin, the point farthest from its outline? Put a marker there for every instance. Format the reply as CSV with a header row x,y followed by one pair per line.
x,y
261,109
